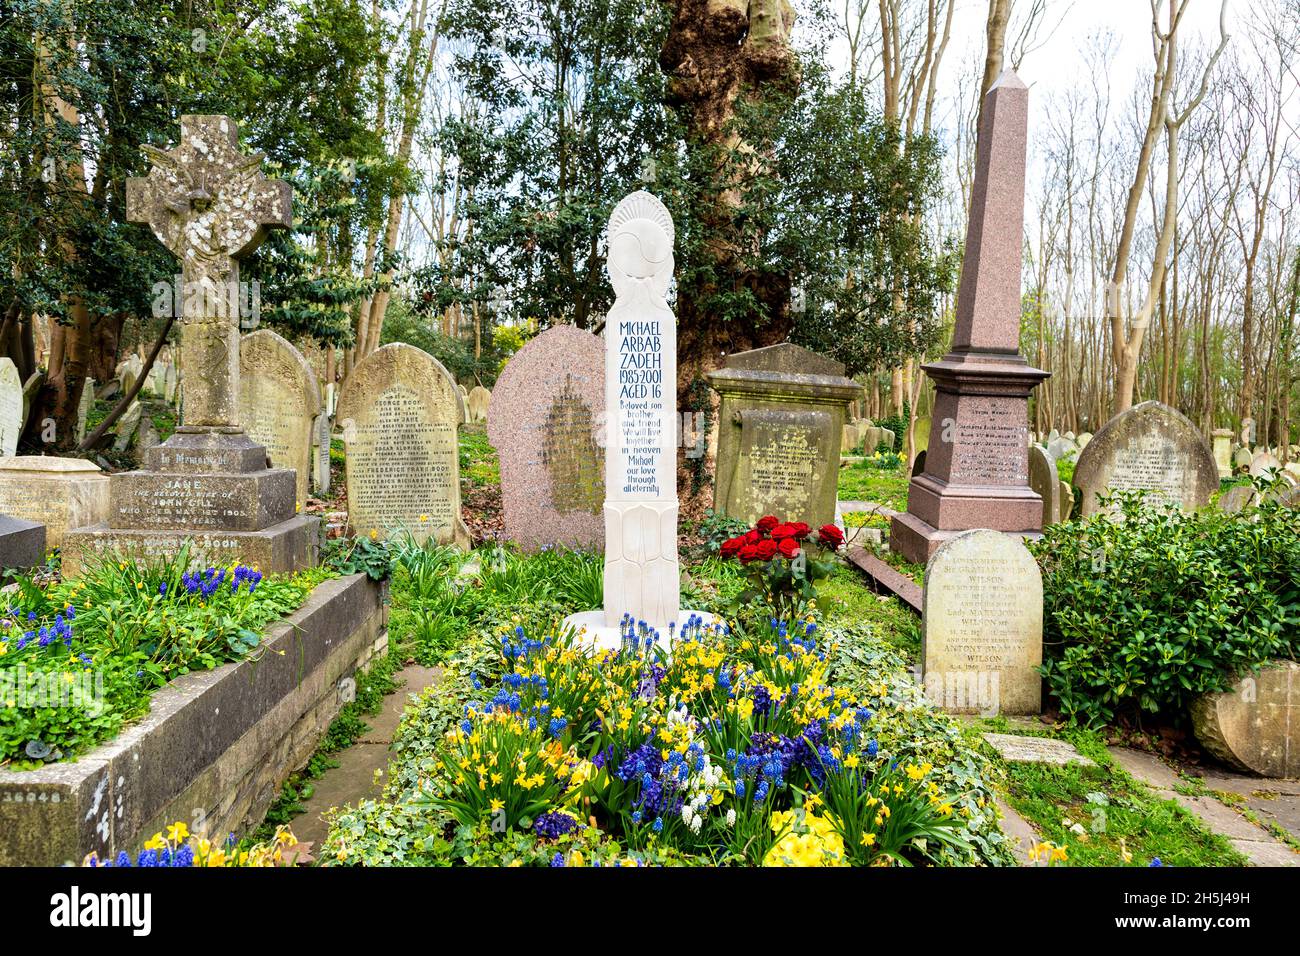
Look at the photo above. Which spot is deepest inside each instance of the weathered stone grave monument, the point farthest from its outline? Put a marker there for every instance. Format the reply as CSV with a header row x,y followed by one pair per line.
x,y
84,406
479,399
59,493
977,463
1152,448
641,566
320,446
1222,448
1046,483
982,625
781,421
544,421
399,411
278,402
208,485
1265,464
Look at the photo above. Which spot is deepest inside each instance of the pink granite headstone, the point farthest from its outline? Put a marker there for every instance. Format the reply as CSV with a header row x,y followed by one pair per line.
x,y
544,420
977,467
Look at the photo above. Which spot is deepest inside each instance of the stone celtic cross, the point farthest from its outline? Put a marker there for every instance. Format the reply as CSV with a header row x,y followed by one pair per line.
x,y
210,204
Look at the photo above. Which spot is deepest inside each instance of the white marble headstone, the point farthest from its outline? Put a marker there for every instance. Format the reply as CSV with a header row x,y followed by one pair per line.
x,y
642,578
11,406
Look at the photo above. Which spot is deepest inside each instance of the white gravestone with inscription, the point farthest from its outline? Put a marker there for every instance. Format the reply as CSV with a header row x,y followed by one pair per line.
x,y
982,626
11,406
642,578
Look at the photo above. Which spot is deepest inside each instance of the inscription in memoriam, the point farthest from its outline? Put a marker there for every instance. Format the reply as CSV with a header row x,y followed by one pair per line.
x,y
643,409
979,634
983,624
401,467
781,464
184,501
1154,465
991,448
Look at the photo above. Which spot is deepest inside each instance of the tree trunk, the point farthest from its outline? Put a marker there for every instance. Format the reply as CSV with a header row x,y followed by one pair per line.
x,y
717,54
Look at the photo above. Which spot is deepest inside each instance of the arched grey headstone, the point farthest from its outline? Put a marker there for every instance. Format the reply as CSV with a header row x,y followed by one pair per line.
x,y
1152,448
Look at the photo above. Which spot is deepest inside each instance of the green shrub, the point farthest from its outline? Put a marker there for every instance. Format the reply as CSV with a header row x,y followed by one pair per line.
x,y
1148,612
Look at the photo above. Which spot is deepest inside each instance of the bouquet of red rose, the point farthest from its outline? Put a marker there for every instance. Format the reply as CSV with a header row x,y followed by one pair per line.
x,y
783,562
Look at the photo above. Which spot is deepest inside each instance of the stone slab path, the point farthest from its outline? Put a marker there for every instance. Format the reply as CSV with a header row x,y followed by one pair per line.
x,y
354,777
1275,801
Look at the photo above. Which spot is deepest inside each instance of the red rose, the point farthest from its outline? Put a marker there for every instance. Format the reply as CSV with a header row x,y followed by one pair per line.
x,y
801,530
782,531
764,550
751,537
788,547
731,546
747,553
830,536
766,523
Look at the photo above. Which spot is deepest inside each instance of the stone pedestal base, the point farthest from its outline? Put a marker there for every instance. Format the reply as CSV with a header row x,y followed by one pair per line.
x,y
977,463
593,628
917,540
212,488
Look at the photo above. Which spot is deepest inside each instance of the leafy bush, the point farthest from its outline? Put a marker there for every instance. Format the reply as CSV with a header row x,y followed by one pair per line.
x,y
1150,609
717,527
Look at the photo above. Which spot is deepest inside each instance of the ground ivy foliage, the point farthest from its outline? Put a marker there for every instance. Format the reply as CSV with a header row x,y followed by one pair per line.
x,y
784,745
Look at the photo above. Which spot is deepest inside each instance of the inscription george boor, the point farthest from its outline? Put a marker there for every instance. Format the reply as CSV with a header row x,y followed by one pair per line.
x,y
402,466
570,454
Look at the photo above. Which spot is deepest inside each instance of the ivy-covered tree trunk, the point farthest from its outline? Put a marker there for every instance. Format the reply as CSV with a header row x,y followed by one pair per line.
x,y
718,54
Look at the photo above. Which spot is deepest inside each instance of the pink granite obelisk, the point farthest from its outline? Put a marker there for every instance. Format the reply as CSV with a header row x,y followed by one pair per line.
x,y
977,465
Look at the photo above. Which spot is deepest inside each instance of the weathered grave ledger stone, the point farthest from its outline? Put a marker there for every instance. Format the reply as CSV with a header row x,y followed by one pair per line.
x,y
544,421
207,488
398,412
982,625
1151,448
278,403
781,420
